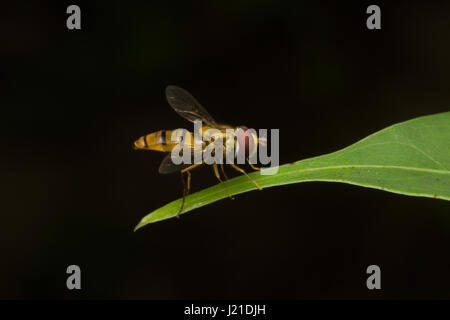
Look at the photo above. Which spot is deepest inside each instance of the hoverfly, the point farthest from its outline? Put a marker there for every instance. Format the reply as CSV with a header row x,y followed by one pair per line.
x,y
190,109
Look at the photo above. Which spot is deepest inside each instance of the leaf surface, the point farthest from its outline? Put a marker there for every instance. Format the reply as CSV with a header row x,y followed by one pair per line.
x,y
410,158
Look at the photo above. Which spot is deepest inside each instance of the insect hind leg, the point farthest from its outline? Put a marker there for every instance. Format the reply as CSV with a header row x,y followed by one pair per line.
x,y
185,191
186,185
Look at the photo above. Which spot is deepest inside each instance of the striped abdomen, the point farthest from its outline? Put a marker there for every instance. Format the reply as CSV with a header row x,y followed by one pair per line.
x,y
159,141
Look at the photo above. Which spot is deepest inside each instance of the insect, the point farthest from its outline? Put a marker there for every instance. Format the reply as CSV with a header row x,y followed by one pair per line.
x,y
166,140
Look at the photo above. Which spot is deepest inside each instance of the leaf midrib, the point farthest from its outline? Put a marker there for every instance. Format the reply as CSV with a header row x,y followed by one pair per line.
x,y
264,179
372,166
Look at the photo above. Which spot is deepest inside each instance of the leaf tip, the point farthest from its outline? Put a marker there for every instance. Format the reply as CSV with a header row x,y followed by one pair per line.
x,y
139,225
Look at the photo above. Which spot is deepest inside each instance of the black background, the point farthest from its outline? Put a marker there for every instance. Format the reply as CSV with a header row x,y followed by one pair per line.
x,y
72,188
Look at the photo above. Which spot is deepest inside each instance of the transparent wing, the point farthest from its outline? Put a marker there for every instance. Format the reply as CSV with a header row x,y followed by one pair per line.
x,y
187,106
167,166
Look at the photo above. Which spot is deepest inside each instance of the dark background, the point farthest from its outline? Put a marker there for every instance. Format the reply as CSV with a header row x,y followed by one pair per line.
x,y
72,188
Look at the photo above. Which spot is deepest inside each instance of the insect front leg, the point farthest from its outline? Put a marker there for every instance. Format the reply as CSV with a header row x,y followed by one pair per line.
x,y
243,172
252,166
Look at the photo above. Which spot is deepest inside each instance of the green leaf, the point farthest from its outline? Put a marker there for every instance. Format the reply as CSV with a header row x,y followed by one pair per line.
x,y
410,158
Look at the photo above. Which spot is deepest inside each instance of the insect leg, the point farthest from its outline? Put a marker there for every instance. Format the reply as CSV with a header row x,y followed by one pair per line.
x,y
249,178
186,187
252,166
226,177
223,171
216,172
188,181
184,195
191,167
